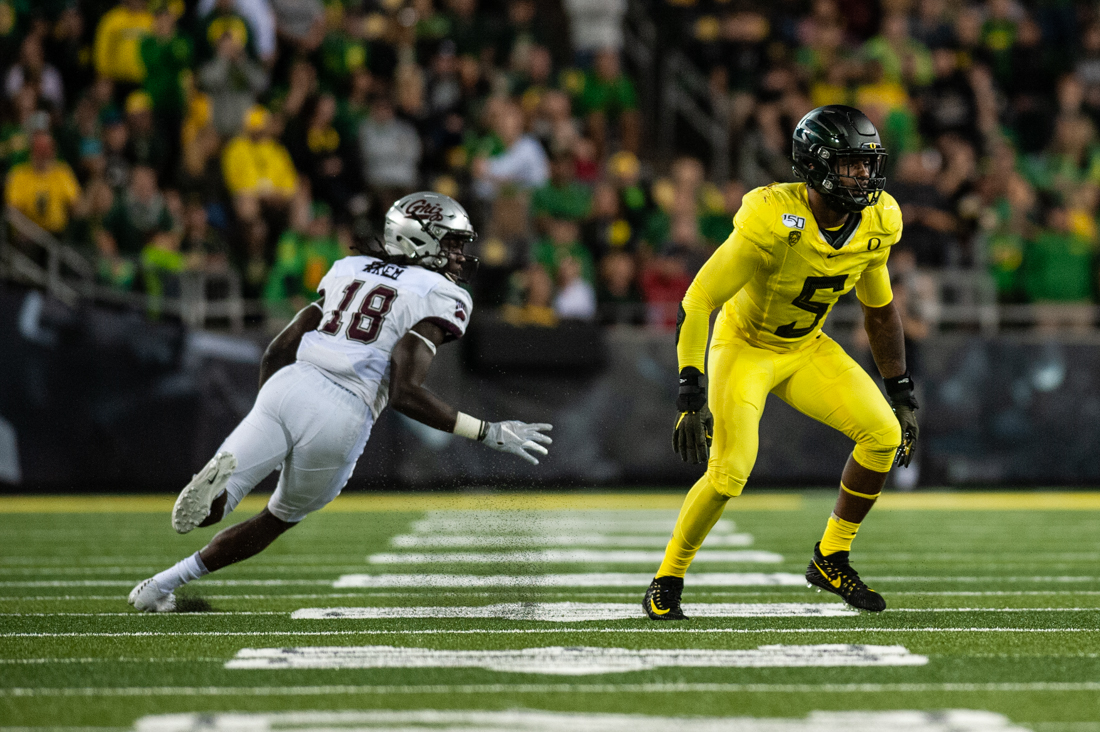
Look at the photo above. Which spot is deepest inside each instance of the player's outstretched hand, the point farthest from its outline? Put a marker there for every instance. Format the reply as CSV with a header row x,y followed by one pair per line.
x,y
519,438
692,436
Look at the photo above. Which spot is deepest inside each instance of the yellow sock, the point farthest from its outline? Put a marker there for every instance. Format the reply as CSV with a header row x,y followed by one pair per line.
x,y
838,536
701,510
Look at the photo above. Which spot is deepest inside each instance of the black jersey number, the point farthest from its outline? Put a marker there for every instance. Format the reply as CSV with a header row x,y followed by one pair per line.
x,y
366,323
806,302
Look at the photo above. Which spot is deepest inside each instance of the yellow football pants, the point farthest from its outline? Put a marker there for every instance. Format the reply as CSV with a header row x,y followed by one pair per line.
x,y
819,380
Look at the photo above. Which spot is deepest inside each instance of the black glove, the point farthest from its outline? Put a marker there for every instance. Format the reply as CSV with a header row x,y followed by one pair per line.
x,y
900,391
694,430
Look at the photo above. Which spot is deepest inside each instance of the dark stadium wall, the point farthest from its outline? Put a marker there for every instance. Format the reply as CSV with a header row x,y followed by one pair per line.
x,y
103,400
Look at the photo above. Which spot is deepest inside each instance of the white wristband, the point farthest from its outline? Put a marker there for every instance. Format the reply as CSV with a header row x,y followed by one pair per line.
x,y
467,426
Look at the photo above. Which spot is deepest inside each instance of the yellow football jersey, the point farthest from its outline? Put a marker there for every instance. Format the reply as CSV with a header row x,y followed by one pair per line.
x,y
777,277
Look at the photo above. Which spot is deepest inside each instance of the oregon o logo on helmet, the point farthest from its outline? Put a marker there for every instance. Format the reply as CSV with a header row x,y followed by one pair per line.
x,y
425,210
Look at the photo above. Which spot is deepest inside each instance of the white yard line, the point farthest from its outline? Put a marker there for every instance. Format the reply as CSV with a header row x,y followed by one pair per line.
x,y
205,582
572,612
652,688
570,556
505,541
593,579
531,631
960,720
574,660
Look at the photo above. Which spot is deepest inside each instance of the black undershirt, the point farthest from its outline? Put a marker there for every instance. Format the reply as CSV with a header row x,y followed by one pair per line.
x,y
838,237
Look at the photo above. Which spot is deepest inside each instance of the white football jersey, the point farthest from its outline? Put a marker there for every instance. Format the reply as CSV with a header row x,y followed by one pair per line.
x,y
369,306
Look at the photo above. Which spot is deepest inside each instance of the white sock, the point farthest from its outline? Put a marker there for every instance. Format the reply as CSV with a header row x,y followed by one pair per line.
x,y
181,573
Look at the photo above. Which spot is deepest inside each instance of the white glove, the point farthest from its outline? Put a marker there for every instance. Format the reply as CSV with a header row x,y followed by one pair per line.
x,y
518,438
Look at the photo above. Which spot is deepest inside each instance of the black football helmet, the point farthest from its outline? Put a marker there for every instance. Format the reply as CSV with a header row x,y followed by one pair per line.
x,y
826,144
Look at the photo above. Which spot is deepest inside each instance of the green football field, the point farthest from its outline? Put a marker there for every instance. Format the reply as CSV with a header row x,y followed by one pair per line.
x,y
522,612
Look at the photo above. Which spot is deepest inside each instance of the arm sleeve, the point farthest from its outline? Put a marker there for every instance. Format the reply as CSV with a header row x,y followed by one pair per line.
x,y
724,274
448,307
873,288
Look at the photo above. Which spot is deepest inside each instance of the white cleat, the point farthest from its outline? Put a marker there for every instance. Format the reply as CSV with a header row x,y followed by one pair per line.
x,y
193,505
149,598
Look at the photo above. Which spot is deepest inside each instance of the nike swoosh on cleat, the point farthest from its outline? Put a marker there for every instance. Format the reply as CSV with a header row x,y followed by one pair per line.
x,y
653,607
834,583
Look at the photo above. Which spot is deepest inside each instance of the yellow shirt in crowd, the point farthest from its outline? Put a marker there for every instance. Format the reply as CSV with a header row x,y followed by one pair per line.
x,y
117,50
45,198
258,167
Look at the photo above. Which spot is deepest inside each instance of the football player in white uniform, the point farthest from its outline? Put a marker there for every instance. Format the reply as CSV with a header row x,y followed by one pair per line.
x,y
367,342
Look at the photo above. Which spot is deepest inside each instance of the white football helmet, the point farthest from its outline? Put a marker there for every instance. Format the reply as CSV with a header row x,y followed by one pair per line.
x,y
417,224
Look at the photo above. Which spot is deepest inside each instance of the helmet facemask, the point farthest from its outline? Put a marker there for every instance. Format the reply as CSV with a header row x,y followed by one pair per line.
x,y
857,179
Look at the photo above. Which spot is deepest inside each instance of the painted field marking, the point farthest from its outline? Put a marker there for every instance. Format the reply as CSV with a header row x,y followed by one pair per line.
x,y
953,720
527,523
454,689
607,579
205,583
529,631
403,502
571,612
505,541
573,661
571,556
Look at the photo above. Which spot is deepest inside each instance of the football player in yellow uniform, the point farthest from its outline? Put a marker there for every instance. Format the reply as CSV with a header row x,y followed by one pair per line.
x,y
796,248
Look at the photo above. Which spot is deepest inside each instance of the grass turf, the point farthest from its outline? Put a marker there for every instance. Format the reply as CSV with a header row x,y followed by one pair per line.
x,y
1000,592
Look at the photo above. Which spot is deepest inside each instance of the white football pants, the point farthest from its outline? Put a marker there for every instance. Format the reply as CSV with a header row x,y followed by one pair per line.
x,y
316,429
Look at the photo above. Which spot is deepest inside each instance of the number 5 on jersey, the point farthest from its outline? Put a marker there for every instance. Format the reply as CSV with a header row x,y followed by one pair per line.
x,y
366,323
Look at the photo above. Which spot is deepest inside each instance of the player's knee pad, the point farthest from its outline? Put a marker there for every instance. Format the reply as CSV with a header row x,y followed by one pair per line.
x,y
726,483
876,449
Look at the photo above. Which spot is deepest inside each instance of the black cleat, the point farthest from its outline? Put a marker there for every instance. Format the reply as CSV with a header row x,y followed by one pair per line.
x,y
662,599
834,574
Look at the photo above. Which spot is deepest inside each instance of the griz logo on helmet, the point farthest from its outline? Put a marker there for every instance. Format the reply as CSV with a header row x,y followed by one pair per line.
x,y
424,210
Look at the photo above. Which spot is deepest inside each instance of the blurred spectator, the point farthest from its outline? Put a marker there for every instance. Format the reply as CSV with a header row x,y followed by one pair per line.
x,y
202,245
44,189
139,214
167,56
595,25
664,282
521,165
116,158
562,241
1072,157
619,298
299,23
344,51
301,260
256,166
390,152
930,224
931,26
118,37
575,298
903,58
32,70
319,151
606,98
16,131
146,144
562,197
233,81
1059,272
200,173
553,122
607,230
535,292
258,16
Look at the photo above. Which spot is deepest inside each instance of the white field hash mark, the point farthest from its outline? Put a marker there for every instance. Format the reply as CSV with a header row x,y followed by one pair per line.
x,y
573,661
571,556
569,612
608,579
548,522
952,720
512,541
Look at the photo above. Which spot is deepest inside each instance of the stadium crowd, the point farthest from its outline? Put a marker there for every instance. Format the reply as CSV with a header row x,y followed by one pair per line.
x,y
269,136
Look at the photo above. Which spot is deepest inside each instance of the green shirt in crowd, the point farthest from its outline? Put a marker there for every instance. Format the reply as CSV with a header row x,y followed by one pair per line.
x,y
300,263
610,96
551,255
165,62
1058,267
571,201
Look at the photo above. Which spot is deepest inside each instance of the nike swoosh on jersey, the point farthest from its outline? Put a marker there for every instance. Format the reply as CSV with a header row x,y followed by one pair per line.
x,y
834,583
830,256
653,607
